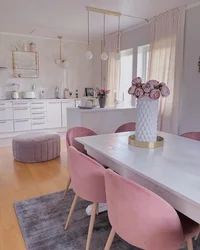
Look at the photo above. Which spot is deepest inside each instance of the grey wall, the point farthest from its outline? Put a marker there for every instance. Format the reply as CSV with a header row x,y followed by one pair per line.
x,y
190,105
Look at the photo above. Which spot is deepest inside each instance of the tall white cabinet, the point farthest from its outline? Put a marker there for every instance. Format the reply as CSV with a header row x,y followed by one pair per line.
x,y
54,114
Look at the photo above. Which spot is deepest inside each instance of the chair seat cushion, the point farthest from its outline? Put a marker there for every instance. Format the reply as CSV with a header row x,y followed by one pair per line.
x,y
36,146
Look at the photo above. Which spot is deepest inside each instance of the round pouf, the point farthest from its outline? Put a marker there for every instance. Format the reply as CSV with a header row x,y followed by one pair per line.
x,y
36,146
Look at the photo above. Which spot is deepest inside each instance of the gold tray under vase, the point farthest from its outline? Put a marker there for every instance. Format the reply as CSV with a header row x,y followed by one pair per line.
x,y
139,144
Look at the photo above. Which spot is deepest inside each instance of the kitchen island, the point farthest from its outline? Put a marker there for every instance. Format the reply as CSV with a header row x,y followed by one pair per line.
x,y
100,120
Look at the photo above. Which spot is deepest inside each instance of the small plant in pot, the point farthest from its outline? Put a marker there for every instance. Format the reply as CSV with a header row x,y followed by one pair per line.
x,y
32,47
102,94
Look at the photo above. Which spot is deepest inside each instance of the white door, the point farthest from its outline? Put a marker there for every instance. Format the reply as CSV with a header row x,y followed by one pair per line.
x,y
65,105
53,114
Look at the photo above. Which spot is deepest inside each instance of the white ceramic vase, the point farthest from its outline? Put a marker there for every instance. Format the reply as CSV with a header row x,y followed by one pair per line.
x,y
146,120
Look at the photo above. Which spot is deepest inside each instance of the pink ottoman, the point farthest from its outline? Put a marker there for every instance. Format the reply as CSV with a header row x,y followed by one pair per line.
x,y
36,146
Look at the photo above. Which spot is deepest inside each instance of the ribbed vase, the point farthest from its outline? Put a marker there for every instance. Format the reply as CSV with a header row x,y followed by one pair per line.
x,y
146,120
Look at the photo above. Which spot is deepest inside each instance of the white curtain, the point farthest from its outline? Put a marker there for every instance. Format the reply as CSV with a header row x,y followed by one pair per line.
x,y
166,64
113,68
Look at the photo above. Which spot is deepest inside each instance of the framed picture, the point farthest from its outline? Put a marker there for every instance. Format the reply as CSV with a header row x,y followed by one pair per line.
x,y
89,91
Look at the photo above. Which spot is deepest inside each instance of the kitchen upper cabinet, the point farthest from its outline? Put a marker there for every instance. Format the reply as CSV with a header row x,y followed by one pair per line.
x,y
53,114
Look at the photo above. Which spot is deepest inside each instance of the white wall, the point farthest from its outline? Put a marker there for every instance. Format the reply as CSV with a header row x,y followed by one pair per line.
x,y
190,106
78,76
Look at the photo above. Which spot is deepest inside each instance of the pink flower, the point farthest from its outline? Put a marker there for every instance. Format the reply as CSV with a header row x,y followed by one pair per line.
x,y
101,92
165,91
136,80
154,83
147,87
154,94
131,90
139,93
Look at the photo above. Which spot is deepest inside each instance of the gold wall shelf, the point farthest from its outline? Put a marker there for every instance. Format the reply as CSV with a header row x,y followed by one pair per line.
x,y
25,64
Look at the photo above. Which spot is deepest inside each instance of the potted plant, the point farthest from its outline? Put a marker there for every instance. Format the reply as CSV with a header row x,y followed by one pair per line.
x,y
32,47
102,94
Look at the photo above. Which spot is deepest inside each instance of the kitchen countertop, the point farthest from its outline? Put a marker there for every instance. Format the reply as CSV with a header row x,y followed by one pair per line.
x,y
97,109
42,99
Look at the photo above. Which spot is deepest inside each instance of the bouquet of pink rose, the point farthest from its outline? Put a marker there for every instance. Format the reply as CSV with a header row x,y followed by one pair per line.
x,y
152,89
101,93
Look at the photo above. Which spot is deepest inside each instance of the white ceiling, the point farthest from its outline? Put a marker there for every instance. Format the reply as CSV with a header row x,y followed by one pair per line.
x,y
68,18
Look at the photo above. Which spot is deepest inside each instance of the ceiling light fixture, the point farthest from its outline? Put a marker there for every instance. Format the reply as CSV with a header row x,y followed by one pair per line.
x,y
104,55
60,61
88,54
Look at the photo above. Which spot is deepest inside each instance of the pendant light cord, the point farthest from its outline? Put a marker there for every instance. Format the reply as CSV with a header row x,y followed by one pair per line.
x,y
60,50
88,28
104,31
118,46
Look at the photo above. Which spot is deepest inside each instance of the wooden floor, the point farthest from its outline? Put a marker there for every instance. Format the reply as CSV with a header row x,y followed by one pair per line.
x,y
20,181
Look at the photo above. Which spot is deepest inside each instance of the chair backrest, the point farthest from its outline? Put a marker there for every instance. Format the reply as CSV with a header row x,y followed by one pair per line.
x,y
87,176
126,127
192,135
140,217
78,132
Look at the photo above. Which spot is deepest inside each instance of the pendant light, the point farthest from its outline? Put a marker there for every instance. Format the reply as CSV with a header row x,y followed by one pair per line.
x,y
118,55
60,61
104,55
88,54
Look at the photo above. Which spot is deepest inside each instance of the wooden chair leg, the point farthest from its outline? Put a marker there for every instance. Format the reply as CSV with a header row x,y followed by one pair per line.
x,y
197,236
190,244
67,186
110,240
97,209
91,226
71,211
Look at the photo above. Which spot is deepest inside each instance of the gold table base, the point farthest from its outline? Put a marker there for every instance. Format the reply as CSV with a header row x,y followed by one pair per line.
x,y
139,144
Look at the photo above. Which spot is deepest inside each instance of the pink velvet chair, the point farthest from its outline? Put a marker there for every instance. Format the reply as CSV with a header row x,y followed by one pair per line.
x,y
192,135
127,127
88,183
143,219
70,141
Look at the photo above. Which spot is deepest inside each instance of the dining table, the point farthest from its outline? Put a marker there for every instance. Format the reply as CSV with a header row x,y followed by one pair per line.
x,y
171,171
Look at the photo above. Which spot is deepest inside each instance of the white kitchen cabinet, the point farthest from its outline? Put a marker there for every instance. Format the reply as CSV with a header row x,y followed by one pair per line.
x,y
65,105
22,113
22,125
6,113
53,114
6,126
27,115
39,122
5,104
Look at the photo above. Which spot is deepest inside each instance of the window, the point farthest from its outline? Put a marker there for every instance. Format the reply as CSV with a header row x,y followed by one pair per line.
x,y
126,76
143,62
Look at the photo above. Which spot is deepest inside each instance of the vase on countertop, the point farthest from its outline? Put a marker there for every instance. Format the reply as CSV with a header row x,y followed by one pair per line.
x,y
102,102
102,94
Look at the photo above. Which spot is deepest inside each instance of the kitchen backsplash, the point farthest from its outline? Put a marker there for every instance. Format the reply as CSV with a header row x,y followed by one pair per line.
x,y
77,76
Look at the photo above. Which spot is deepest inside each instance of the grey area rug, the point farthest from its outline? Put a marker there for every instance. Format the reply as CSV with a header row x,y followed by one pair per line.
x,y
42,222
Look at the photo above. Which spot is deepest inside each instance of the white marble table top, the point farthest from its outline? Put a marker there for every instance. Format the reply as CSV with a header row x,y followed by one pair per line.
x,y
175,167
